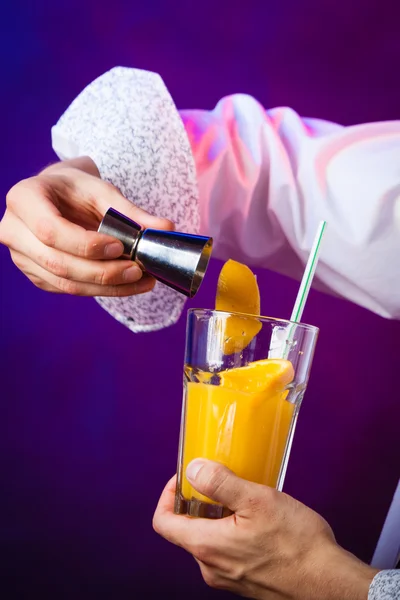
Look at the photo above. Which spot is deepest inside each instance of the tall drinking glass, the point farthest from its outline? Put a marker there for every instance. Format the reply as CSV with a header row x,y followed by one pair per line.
x,y
244,381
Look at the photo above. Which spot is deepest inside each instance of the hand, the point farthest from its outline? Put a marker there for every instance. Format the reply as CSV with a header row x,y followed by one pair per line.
x,y
50,228
271,548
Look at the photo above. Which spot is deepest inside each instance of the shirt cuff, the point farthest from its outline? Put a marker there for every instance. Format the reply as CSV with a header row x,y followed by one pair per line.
x,y
385,586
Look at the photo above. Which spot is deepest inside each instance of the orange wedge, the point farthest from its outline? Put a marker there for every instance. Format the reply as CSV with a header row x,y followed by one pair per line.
x,y
237,291
259,376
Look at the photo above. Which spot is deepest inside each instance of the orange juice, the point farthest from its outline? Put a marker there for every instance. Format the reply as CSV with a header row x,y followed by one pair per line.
x,y
242,417
243,423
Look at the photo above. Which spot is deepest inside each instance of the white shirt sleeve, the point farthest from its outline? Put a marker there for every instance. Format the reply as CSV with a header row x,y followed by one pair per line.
x,y
265,179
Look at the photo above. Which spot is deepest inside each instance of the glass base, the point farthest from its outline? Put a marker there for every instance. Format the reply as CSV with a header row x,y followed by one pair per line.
x,y
198,508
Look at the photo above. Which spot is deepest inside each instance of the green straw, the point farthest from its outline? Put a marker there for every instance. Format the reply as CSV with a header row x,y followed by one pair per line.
x,y
308,275
281,347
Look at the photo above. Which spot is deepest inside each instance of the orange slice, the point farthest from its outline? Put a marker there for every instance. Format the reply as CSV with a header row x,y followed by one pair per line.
x,y
237,291
259,376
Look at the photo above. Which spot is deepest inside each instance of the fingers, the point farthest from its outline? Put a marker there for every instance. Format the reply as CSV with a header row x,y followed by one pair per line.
x,y
61,211
33,202
25,266
164,522
52,283
66,266
167,499
221,485
49,227
117,201
191,534
99,196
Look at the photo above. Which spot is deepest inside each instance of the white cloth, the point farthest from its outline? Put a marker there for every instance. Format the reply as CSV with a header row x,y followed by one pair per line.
x,y
127,123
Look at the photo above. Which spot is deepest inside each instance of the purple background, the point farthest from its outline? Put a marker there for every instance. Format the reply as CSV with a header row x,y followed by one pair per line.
x,y
90,412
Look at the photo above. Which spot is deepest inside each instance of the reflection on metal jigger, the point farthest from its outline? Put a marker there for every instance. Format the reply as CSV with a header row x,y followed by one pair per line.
x,y
178,260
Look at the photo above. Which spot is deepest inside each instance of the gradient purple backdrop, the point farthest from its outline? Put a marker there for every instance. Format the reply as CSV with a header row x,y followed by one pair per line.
x,y
90,412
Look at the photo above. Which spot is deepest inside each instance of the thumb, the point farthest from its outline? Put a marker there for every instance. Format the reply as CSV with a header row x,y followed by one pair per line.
x,y
219,484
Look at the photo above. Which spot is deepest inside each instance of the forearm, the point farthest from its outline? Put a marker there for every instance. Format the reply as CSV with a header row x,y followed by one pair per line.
x,y
334,574
350,578
341,576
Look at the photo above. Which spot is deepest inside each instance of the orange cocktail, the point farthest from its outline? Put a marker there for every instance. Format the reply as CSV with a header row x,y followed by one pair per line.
x,y
241,391
243,423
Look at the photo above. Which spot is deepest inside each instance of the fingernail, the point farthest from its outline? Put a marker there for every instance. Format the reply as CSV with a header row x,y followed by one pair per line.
x,y
113,250
172,226
193,469
133,273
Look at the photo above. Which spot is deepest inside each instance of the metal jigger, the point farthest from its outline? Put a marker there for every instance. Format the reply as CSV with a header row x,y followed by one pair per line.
x,y
179,260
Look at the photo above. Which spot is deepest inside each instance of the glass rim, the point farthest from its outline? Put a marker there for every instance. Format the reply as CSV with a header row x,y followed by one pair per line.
x,y
214,312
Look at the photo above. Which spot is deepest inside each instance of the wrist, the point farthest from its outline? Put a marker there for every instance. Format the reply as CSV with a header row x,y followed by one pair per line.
x,y
342,576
